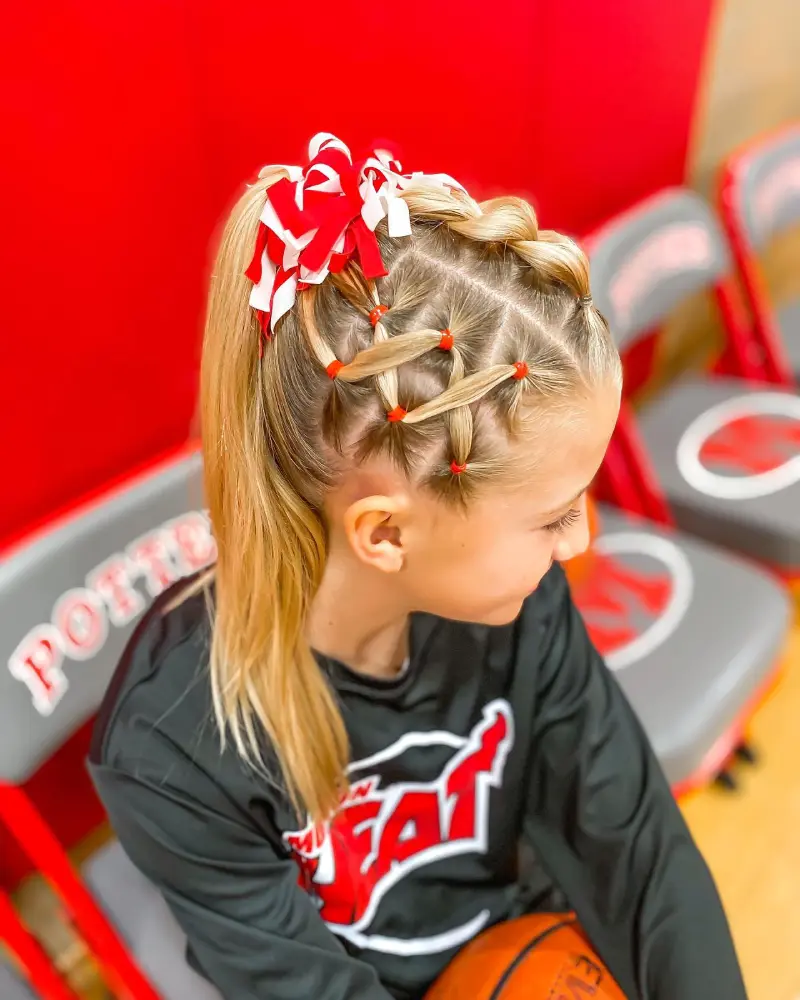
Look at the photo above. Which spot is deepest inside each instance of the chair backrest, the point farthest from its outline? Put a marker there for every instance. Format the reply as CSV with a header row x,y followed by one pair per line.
x,y
647,260
70,598
763,187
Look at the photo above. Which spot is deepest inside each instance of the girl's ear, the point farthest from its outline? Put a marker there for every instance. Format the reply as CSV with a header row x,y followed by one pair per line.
x,y
373,529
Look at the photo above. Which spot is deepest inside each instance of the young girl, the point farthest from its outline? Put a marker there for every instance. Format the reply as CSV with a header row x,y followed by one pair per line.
x,y
330,755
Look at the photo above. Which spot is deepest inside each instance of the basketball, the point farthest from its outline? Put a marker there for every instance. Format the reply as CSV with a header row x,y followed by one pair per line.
x,y
545,956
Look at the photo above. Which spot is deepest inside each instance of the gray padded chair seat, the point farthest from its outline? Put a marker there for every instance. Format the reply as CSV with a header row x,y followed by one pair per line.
x,y
764,526
789,324
690,675
11,986
138,911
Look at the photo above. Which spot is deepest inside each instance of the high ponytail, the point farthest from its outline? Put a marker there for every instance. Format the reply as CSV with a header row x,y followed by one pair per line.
x,y
271,545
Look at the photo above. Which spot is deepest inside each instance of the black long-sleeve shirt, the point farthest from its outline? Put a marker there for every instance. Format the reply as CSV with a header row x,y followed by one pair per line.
x,y
491,738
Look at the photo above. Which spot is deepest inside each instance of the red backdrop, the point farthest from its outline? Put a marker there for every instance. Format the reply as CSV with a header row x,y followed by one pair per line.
x,y
133,124
130,126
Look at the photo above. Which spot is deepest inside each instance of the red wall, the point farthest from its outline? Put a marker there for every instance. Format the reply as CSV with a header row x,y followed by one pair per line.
x,y
132,125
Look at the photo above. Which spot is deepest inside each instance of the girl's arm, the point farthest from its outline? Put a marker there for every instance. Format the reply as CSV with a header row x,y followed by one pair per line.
x,y
252,930
605,825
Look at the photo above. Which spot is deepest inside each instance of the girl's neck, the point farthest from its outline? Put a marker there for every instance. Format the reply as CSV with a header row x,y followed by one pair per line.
x,y
356,618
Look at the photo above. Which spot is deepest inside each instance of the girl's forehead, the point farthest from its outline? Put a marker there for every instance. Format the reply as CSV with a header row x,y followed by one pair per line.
x,y
557,463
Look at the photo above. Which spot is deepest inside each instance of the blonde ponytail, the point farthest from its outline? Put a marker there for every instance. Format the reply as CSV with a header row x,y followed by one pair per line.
x,y
271,548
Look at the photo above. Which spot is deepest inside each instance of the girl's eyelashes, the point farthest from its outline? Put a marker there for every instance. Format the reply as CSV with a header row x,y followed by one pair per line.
x,y
564,521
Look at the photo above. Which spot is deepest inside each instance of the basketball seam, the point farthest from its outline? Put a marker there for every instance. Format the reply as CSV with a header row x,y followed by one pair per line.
x,y
496,993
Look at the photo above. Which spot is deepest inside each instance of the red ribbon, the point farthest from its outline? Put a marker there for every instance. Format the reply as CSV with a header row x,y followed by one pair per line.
x,y
253,272
334,215
275,248
281,197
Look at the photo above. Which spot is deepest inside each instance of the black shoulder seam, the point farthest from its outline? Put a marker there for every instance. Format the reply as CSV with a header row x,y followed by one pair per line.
x,y
111,704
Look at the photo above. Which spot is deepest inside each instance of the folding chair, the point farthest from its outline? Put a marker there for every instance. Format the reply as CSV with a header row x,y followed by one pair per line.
x,y
725,449
693,634
40,973
759,197
69,600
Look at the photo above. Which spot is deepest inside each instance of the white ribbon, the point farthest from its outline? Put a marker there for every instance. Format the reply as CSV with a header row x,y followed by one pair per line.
x,y
326,139
261,294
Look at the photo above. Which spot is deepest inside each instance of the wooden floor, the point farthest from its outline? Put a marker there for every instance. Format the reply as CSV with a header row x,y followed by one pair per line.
x,y
750,838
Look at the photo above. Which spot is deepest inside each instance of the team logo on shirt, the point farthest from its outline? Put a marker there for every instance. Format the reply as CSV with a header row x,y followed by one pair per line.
x,y
386,830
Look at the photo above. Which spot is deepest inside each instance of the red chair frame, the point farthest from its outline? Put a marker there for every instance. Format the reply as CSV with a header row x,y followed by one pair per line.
x,y
626,477
24,822
765,330
36,963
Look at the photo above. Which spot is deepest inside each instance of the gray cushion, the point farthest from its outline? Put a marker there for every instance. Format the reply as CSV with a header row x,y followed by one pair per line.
x,y
706,629
756,515
138,911
11,986
789,323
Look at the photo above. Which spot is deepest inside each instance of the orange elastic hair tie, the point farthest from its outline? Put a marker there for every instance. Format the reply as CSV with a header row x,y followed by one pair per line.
x,y
396,415
446,343
521,371
377,313
334,368
457,469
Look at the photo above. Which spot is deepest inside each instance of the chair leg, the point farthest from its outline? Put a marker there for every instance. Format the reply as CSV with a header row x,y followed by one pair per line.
x,y
747,754
651,502
726,781
41,845
744,754
37,964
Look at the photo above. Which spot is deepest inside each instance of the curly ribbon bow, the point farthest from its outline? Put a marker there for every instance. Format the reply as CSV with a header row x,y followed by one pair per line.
x,y
321,216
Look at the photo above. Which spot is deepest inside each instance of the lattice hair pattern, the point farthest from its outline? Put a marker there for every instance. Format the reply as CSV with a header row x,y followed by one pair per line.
x,y
515,304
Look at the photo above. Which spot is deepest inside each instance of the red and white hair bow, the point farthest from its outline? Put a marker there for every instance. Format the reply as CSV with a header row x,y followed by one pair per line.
x,y
323,215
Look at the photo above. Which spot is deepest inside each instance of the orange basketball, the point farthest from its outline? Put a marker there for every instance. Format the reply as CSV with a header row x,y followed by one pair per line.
x,y
545,956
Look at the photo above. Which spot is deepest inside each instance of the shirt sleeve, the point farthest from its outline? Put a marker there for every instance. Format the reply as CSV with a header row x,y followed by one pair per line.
x,y
252,930
604,823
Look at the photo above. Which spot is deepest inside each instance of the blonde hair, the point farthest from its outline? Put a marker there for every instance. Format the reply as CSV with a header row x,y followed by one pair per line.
x,y
276,432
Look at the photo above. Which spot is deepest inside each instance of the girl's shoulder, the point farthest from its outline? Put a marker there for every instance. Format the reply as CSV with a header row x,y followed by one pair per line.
x,y
161,684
